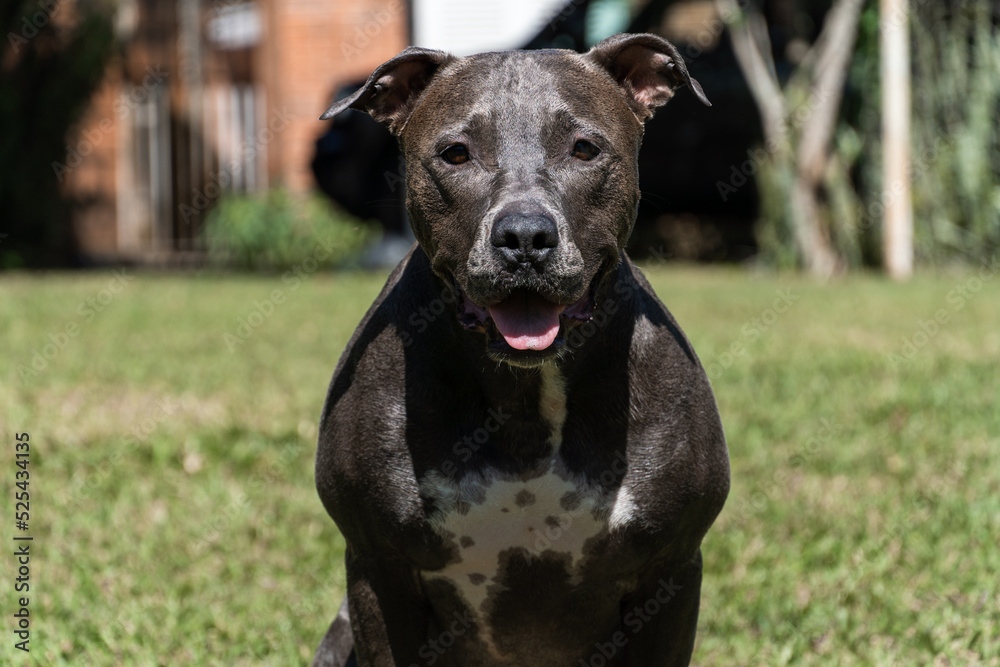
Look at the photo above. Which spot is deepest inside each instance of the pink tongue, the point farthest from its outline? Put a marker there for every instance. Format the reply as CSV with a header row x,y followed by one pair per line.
x,y
527,321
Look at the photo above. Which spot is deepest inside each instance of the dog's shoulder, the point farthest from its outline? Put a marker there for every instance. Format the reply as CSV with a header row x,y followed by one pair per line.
x,y
362,437
374,350
657,340
674,395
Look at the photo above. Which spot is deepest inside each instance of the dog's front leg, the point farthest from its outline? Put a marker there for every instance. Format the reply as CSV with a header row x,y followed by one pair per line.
x,y
337,647
661,617
388,613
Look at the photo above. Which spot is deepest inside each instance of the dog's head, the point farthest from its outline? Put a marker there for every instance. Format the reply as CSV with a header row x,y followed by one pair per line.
x,y
522,183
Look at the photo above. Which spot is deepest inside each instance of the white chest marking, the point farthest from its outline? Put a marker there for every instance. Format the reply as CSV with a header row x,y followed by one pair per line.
x,y
540,515
488,514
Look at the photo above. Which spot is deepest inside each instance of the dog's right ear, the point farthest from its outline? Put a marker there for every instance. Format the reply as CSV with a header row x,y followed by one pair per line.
x,y
648,68
392,90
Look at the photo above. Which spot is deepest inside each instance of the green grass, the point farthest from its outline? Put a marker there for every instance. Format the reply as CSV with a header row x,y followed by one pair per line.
x,y
175,518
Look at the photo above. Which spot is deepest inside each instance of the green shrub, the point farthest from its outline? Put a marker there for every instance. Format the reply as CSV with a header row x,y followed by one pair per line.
x,y
956,102
279,229
955,144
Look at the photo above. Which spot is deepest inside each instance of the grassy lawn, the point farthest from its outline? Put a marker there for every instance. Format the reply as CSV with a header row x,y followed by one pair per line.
x,y
175,519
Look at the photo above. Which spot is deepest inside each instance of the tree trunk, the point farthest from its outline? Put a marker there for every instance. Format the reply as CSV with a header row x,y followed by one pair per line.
x,y
813,244
806,143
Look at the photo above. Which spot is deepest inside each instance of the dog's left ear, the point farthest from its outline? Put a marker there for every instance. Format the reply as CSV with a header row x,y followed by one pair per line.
x,y
392,90
648,68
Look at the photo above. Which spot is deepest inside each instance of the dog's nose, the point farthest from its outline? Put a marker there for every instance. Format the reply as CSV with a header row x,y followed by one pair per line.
x,y
524,238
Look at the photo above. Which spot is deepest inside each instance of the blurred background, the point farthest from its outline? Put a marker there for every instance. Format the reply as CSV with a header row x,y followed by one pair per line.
x,y
167,133
176,229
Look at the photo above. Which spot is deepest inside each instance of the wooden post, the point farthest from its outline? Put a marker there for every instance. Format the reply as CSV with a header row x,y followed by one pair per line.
x,y
897,227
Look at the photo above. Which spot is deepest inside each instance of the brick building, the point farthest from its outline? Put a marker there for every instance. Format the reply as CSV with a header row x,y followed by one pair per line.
x,y
212,97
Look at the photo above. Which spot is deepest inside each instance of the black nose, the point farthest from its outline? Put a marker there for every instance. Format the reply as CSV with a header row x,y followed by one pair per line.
x,y
523,238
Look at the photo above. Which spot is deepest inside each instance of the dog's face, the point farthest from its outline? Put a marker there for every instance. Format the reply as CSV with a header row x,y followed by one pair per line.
x,y
522,185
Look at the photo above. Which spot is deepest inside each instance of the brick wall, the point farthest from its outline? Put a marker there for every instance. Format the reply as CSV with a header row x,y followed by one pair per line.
x,y
89,170
313,47
308,49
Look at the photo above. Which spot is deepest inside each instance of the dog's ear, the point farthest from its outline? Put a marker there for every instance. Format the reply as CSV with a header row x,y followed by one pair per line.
x,y
392,90
648,68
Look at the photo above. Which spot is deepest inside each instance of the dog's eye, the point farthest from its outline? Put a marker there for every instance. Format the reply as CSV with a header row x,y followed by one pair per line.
x,y
584,150
456,154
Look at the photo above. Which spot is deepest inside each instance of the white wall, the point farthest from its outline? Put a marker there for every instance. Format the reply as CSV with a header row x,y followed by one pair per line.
x,y
463,27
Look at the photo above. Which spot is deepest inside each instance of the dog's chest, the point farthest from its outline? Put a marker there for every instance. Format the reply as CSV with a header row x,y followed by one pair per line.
x,y
517,536
497,526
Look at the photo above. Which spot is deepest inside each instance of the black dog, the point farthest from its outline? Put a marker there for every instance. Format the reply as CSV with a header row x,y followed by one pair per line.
x,y
519,445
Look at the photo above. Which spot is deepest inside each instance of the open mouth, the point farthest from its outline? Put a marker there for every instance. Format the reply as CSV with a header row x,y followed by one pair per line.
x,y
527,320
524,322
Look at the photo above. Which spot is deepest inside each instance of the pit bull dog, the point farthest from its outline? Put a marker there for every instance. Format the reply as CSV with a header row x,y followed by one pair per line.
x,y
519,445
